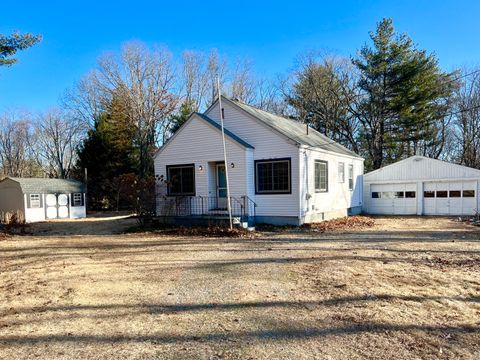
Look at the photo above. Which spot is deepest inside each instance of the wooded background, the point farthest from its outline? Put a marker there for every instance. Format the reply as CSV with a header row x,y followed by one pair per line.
x,y
389,101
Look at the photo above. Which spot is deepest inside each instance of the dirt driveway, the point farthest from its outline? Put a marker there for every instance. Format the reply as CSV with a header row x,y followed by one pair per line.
x,y
410,292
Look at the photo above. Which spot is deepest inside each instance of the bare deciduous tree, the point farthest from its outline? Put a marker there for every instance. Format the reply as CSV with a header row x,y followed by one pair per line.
x,y
467,120
143,80
57,138
15,154
321,91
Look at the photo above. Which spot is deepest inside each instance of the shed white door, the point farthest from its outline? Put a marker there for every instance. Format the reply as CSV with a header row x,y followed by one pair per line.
x,y
450,198
57,206
393,199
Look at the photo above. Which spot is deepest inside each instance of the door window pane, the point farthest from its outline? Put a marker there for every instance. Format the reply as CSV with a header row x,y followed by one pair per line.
x,y
455,193
429,194
442,193
410,194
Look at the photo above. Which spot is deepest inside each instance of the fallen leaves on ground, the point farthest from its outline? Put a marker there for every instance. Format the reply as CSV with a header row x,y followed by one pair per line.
x,y
346,223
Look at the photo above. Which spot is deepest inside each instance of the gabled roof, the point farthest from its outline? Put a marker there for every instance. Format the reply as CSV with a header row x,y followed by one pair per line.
x,y
419,167
211,122
293,130
225,130
45,186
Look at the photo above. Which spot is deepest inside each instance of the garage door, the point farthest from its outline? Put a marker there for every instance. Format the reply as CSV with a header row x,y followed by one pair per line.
x,y
450,198
393,199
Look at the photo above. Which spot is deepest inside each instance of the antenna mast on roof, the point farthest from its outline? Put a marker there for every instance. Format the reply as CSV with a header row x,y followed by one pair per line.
x,y
224,154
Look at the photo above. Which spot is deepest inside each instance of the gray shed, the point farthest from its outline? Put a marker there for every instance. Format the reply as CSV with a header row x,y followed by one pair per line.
x,y
38,199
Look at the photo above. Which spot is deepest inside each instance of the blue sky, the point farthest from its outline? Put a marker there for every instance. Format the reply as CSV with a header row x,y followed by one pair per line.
x,y
270,34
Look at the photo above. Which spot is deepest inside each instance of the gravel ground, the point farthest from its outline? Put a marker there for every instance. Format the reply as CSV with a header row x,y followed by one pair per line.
x,y
410,290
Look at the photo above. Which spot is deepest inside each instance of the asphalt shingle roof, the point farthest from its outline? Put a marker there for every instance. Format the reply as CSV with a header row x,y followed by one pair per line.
x,y
295,130
44,186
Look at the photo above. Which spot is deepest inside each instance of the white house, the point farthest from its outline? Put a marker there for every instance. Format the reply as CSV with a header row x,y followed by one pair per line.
x,y
35,199
422,186
280,171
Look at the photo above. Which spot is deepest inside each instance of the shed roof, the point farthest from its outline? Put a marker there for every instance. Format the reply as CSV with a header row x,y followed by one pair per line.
x,y
294,130
45,186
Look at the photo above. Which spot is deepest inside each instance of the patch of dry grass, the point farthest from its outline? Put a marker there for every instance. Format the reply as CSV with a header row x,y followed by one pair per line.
x,y
368,294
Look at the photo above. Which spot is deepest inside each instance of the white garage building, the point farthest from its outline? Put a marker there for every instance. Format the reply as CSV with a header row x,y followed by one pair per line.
x,y
422,186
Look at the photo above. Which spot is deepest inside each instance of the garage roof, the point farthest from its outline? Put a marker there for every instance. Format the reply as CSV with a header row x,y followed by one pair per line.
x,y
421,168
45,186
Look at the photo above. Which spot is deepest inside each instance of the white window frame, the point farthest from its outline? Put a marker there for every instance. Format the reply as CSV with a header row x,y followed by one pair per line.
x,y
35,201
351,184
341,172
319,176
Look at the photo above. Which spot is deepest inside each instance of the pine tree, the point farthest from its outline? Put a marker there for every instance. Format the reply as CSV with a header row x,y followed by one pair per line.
x,y
108,152
177,120
404,96
9,45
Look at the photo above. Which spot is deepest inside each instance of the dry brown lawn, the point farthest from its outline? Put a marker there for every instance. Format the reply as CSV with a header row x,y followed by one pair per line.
x,y
408,288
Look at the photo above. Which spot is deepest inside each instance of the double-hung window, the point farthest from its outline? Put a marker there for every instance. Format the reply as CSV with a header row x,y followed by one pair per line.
x,y
77,199
181,179
273,176
341,172
35,201
350,177
321,176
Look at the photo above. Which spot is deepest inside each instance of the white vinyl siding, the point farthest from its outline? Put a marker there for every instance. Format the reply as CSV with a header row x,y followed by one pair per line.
x,y
199,143
268,144
338,199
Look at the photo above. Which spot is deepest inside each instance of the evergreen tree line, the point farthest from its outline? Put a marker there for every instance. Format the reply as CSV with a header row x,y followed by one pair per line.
x,y
387,102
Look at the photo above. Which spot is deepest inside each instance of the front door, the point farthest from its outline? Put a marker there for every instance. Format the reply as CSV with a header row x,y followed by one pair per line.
x,y
221,187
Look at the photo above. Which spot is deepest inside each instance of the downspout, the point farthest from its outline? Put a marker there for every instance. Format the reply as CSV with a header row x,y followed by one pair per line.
x,y
307,190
